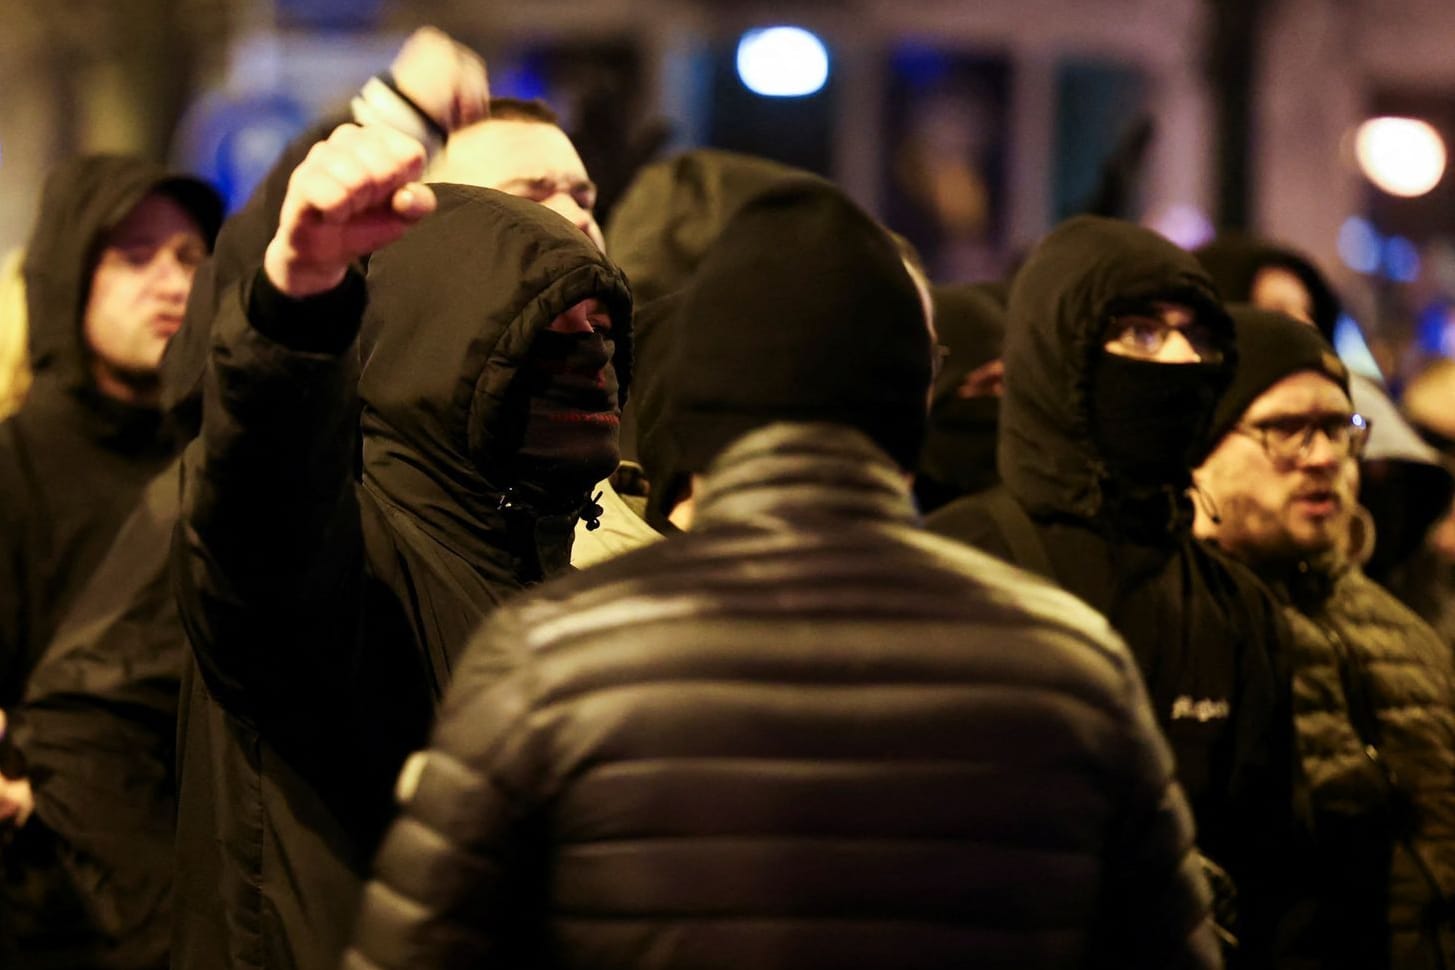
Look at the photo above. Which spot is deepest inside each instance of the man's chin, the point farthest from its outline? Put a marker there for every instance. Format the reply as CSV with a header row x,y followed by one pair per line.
x,y
1319,536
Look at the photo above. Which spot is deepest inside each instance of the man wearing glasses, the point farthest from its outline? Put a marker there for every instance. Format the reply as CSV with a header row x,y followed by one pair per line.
x,y
1374,692
1116,351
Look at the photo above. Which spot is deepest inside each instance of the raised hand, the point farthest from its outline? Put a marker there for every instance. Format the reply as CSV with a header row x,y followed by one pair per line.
x,y
354,192
446,79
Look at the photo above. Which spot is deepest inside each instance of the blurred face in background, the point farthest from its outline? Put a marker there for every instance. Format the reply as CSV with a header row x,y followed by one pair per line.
x,y
139,294
1276,288
529,159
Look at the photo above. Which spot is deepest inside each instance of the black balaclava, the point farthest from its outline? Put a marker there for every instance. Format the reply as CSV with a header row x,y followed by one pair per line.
x,y
1085,435
567,406
959,453
1150,419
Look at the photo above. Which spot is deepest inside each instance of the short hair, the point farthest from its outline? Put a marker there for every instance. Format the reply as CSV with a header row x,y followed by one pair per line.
x,y
522,109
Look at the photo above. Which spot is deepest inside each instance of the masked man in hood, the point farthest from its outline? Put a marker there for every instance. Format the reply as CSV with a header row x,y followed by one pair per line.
x,y
1374,686
1116,351
382,462
803,733
107,273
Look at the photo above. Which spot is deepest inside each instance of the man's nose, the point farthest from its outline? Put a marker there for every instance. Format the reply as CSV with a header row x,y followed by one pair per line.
x,y
581,218
1177,349
1320,451
174,275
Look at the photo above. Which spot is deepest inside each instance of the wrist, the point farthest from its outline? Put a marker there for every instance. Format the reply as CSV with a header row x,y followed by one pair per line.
x,y
381,102
294,279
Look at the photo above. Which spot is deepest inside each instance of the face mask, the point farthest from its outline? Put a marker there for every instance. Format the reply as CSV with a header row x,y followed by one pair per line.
x,y
960,448
1149,420
566,395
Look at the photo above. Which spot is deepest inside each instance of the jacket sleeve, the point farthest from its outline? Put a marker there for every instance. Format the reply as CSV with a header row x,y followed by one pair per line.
x,y
1156,910
239,248
457,880
269,552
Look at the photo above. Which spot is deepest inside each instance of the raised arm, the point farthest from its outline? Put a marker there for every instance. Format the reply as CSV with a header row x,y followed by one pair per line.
x,y
270,550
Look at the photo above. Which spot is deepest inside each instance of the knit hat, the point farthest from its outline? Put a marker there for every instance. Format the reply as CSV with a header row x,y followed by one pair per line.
x,y
1271,346
801,311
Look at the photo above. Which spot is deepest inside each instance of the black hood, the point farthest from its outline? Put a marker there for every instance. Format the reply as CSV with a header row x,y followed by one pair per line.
x,y
1059,305
959,452
654,328
1234,261
83,200
675,209
453,308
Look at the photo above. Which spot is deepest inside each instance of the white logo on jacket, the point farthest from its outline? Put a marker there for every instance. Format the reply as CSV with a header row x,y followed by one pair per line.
x,y
1184,708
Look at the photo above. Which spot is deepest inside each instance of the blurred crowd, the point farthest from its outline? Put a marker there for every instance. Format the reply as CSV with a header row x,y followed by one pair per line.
x,y
407,570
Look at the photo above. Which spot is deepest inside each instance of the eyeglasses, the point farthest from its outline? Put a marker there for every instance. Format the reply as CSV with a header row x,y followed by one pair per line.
x,y
1145,334
937,362
1289,439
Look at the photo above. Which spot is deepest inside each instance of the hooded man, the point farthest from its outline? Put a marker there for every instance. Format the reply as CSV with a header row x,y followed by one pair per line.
x,y
1374,686
107,273
98,726
1116,350
780,739
959,453
327,607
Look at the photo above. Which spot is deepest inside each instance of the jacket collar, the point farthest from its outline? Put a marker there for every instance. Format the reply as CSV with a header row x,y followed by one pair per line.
x,y
793,473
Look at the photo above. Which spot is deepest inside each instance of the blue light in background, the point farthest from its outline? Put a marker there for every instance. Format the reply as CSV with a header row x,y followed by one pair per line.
x,y
921,67
232,140
782,62
521,77
1401,260
1434,332
1359,245
1352,350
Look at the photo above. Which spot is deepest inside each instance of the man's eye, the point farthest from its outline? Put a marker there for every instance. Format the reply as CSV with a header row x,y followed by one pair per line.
x,y
1285,428
136,255
1144,335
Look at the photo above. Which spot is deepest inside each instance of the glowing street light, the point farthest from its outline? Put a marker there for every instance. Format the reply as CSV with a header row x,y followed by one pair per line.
x,y
782,62
1402,156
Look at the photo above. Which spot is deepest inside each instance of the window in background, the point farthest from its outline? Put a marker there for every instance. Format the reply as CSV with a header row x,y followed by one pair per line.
x,y
793,130
946,137
1101,135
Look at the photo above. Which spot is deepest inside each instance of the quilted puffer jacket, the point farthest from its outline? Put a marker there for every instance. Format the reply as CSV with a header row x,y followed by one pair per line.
x,y
1367,671
804,734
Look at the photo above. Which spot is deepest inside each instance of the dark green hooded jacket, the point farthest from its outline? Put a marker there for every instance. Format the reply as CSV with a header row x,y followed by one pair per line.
x,y
327,590
73,463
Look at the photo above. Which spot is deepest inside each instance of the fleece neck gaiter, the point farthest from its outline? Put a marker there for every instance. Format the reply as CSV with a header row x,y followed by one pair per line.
x,y
1149,419
566,401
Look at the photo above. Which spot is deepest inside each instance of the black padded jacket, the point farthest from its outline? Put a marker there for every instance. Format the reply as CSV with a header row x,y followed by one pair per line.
x,y
805,734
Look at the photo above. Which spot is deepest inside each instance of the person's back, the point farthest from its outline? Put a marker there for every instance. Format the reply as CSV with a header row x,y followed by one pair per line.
x,y
804,733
